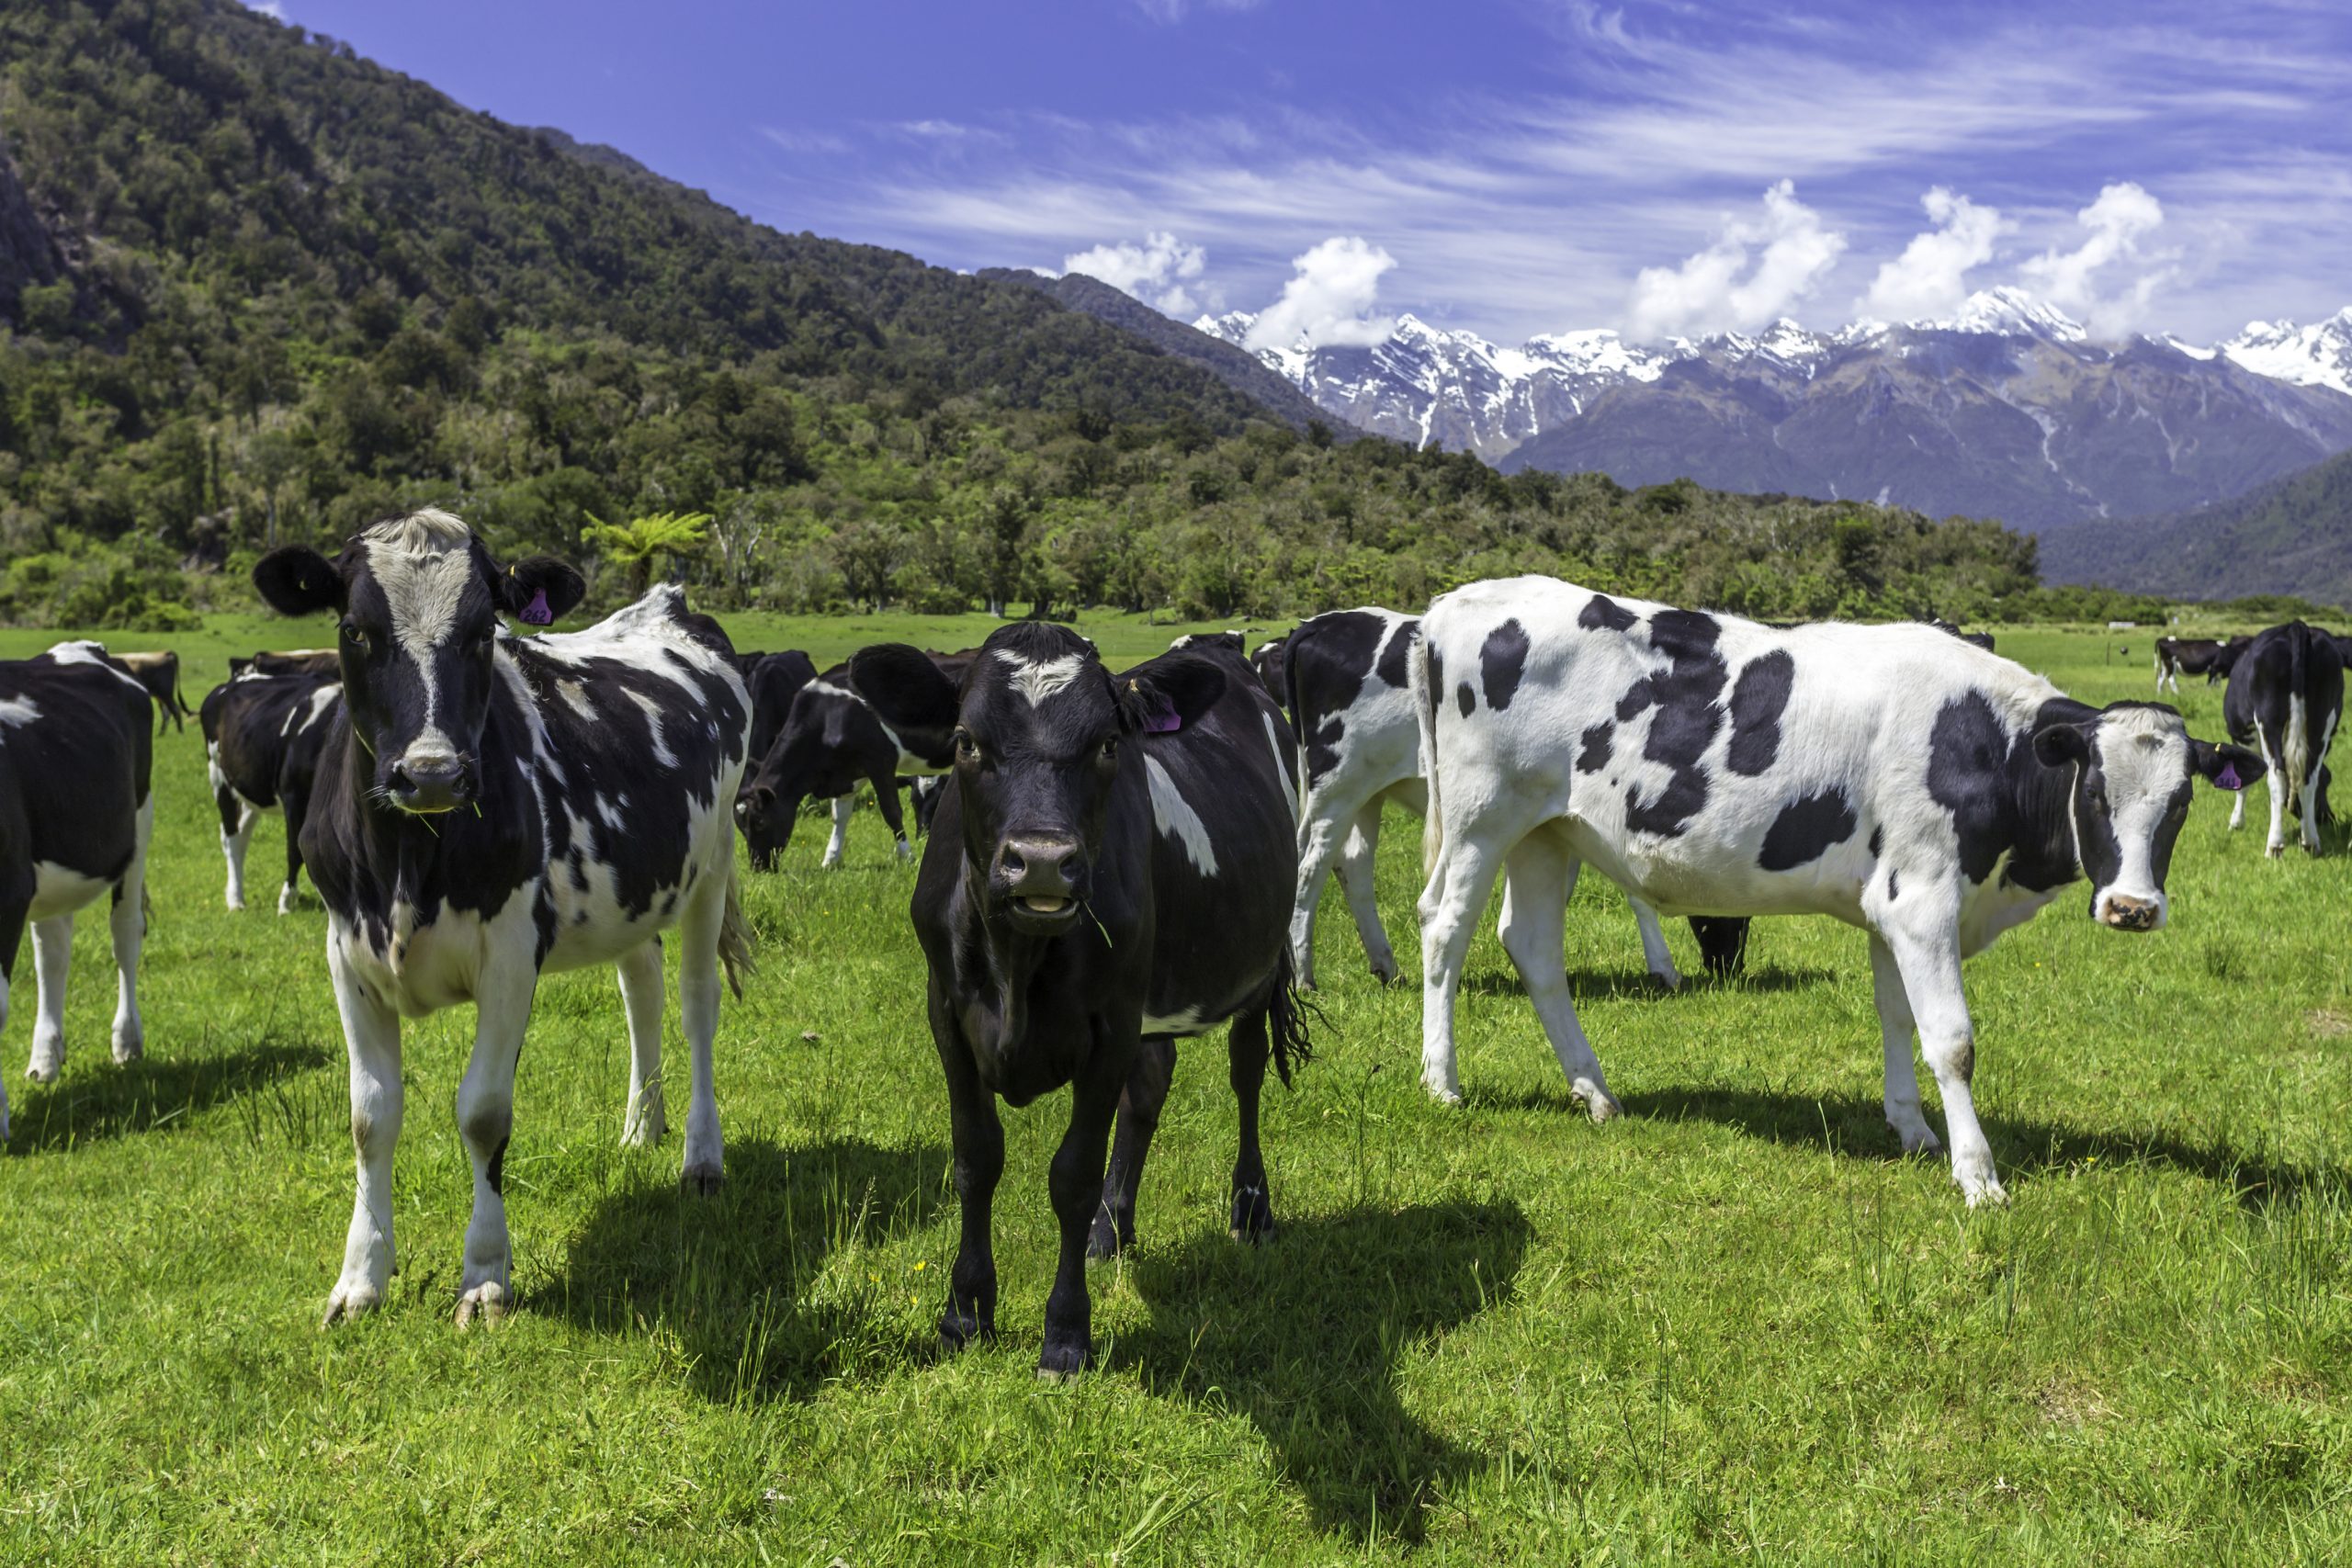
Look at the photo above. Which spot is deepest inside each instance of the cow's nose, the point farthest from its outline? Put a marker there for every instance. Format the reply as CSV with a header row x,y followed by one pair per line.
x,y
433,781
1039,870
2129,914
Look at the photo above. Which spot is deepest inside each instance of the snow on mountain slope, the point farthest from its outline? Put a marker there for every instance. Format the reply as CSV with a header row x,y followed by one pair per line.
x,y
2316,356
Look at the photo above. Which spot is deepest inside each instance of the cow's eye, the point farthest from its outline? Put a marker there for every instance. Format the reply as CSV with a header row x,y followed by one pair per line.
x,y
354,636
1110,748
967,751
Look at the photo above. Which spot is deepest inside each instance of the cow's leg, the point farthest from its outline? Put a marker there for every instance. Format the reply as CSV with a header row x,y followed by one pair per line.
x,y
298,806
1356,858
1325,835
838,843
237,819
16,900
1903,1113
53,954
1536,912
2280,785
979,1139
1113,1229
2237,809
1075,1180
127,924
371,1033
485,1122
642,1120
1929,966
2314,790
1655,953
1450,906
886,800
699,928
1253,1204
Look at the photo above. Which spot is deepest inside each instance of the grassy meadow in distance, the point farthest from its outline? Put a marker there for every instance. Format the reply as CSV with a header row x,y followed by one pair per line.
x,y
1732,1327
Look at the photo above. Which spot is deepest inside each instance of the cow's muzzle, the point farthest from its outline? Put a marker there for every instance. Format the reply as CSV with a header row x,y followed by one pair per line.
x,y
431,783
1037,875
2123,912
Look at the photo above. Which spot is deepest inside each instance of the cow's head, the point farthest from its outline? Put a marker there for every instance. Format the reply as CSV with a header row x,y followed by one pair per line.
x,y
2134,766
1041,729
420,600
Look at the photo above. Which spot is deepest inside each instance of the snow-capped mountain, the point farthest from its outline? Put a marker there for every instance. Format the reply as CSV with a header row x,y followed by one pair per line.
x,y
2008,408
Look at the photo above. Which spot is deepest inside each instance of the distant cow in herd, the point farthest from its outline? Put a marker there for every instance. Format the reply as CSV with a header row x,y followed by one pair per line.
x,y
76,755
159,672
773,679
290,662
2285,697
1108,874
1344,676
831,741
2176,656
490,808
263,736
1934,796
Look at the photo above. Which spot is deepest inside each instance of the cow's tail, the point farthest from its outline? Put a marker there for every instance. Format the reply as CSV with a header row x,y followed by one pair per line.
x,y
1417,668
1286,1014
2295,747
736,941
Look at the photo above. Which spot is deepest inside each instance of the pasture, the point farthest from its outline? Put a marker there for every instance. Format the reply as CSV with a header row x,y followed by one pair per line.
x,y
1732,1327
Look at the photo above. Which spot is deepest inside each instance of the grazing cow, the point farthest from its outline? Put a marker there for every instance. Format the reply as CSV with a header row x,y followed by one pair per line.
x,y
75,814
2285,696
291,661
262,736
831,743
773,679
1345,674
488,809
159,673
2196,655
1101,884
1931,793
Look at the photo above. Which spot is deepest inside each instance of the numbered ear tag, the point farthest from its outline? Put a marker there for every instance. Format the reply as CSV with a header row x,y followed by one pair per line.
x,y
1163,722
536,613
2228,778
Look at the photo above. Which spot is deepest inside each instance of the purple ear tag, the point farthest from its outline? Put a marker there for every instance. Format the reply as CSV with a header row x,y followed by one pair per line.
x,y
2228,778
1164,722
536,612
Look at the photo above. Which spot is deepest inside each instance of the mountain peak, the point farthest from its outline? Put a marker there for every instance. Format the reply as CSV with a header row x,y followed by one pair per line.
x,y
2316,356
2009,312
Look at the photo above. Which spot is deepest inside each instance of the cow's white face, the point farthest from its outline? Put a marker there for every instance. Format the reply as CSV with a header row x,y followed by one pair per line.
x,y
420,600
2134,765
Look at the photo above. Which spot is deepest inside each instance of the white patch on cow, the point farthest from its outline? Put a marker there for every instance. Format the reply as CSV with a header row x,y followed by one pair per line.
x,y
829,689
423,562
575,698
85,651
1282,767
303,716
1040,679
1187,1020
652,710
60,890
1174,816
611,818
2144,756
17,712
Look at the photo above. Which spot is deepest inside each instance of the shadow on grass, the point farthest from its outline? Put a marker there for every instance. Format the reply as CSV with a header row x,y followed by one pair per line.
x,y
1303,1336
728,1275
1630,982
96,1099
2023,1149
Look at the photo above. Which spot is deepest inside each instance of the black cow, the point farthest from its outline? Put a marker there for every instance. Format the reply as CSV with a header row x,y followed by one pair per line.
x,y
1107,876
159,673
75,815
289,661
2176,656
773,679
2285,696
263,736
1268,661
831,741
488,809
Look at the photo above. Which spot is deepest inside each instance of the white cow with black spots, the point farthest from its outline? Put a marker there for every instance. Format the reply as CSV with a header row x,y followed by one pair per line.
x,y
1931,793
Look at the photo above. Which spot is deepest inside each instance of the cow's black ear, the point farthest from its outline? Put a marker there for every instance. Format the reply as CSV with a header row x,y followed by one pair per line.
x,y
2225,767
2061,746
1172,691
903,686
297,580
536,590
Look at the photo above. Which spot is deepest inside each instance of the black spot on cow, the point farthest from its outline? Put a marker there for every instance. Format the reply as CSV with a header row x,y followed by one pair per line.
x,y
1758,700
1683,635
1891,889
668,903
1877,841
1594,755
1502,662
1679,801
1323,748
498,1169
1601,613
1687,719
1968,776
1637,697
578,864
1393,657
1437,680
1465,698
1682,731
1805,829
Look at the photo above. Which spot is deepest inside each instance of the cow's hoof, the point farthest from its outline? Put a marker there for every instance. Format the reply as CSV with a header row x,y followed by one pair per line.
x,y
487,1303
1253,1215
958,1328
45,1067
2275,851
1443,1092
1064,1360
128,1048
702,1180
1665,984
1106,1239
642,1134
1919,1140
236,905
1989,1192
352,1299
1599,1103
1384,973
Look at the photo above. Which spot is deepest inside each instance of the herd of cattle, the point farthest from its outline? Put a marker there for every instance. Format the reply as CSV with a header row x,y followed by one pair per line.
x,y
1115,860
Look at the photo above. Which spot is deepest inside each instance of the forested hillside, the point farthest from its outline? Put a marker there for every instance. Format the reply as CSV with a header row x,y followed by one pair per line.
x,y
2291,536
253,288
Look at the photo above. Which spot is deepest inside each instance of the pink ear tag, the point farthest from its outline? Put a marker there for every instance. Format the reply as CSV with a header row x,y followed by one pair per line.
x,y
2228,778
1164,722
536,613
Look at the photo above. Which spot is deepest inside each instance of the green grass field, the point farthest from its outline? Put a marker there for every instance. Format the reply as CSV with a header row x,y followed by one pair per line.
x,y
1730,1326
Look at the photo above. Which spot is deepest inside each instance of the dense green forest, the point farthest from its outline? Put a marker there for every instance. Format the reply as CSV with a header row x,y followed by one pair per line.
x,y
254,288
2295,531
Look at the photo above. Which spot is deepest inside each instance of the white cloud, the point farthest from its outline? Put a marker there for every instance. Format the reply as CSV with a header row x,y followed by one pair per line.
x,y
1163,272
1169,11
273,9
1328,300
1929,279
1717,290
2079,280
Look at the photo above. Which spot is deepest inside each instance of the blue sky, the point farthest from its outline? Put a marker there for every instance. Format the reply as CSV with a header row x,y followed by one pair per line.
x,y
1510,166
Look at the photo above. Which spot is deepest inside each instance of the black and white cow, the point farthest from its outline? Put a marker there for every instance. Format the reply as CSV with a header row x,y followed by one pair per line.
x,y
1268,661
488,809
263,737
75,815
1360,738
1106,877
288,661
831,741
2285,697
160,672
1930,793
773,679
2195,656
